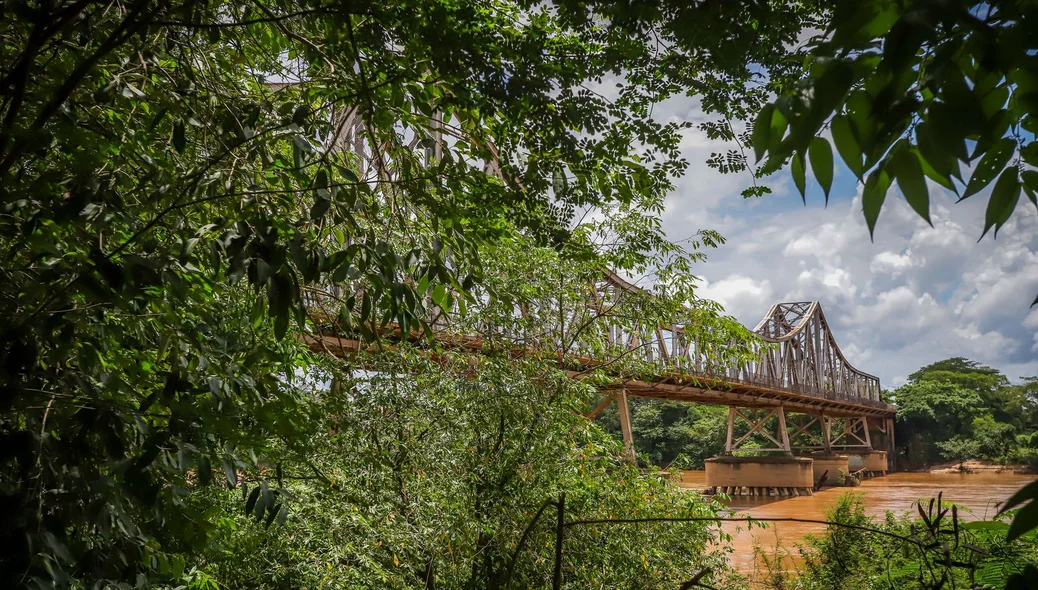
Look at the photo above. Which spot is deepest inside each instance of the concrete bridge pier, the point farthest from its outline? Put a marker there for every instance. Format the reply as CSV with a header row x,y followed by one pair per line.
x,y
780,475
852,436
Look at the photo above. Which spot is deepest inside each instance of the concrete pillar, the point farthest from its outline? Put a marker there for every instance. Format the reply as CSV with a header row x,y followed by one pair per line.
x,y
827,444
891,447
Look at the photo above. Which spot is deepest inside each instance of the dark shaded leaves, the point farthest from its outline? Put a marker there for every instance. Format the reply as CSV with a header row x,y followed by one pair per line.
x,y
993,162
1003,200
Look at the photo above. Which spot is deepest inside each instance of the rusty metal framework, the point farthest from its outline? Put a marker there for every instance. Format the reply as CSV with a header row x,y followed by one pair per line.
x,y
806,356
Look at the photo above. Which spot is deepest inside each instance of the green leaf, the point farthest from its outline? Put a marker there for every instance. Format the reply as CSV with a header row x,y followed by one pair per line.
x,y
438,294
847,144
799,177
179,136
993,162
821,155
230,472
282,515
985,525
1029,180
933,174
873,196
905,167
1029,153
762,131
937,156
559,182
281,323
319,208
205,470
301,114
1024,521
1003,200
778,129
250,504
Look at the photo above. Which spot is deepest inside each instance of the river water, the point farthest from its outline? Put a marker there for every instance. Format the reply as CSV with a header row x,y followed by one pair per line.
x,y
897,492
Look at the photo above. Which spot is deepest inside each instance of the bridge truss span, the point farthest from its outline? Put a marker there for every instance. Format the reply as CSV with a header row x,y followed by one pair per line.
x,y
795,361
806,357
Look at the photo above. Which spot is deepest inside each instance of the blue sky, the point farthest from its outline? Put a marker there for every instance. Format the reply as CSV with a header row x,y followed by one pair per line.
x,y
913,296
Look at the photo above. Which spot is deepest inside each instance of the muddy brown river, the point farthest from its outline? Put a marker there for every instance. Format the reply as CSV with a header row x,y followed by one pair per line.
x,y
897,492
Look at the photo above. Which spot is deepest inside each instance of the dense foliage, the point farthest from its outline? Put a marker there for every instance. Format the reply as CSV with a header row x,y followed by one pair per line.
x,y
425,473
178,180
911,92
957,409
176,176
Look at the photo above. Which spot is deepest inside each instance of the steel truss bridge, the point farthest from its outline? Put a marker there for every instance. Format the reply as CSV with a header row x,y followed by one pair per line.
x,y
794,383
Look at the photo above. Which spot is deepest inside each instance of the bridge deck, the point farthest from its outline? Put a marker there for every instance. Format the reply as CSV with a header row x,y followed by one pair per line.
x,y
669,385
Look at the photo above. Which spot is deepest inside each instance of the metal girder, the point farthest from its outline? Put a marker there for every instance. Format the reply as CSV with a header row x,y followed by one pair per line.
x,y
758,426
848,432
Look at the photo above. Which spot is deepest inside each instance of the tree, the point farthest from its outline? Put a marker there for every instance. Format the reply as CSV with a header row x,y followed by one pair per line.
x,y
996,440
910,92
958,366
676,435
929,412
990,384
432,482
172,188
959,449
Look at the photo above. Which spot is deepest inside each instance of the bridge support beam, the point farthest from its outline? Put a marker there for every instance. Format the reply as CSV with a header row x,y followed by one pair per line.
x,y
758,425
601,406
891,447
625,419
625,425
849,433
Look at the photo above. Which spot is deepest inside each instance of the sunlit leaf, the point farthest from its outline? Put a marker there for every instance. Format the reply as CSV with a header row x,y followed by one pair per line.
x,y
905,167
799,177
847,145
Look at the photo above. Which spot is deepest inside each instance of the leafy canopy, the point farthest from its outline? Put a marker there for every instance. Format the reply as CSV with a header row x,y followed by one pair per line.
x,y
178,179
915,92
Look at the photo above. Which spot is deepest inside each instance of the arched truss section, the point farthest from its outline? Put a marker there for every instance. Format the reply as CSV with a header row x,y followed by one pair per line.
x,y
805,354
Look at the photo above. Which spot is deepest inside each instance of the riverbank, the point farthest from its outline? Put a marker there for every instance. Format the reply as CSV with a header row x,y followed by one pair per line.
x,y
975,466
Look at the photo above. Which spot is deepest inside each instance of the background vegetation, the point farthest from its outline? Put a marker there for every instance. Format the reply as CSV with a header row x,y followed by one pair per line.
x,y
956,409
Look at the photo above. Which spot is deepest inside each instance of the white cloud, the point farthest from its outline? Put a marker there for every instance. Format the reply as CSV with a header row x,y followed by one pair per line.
x,y
890,262
737,293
